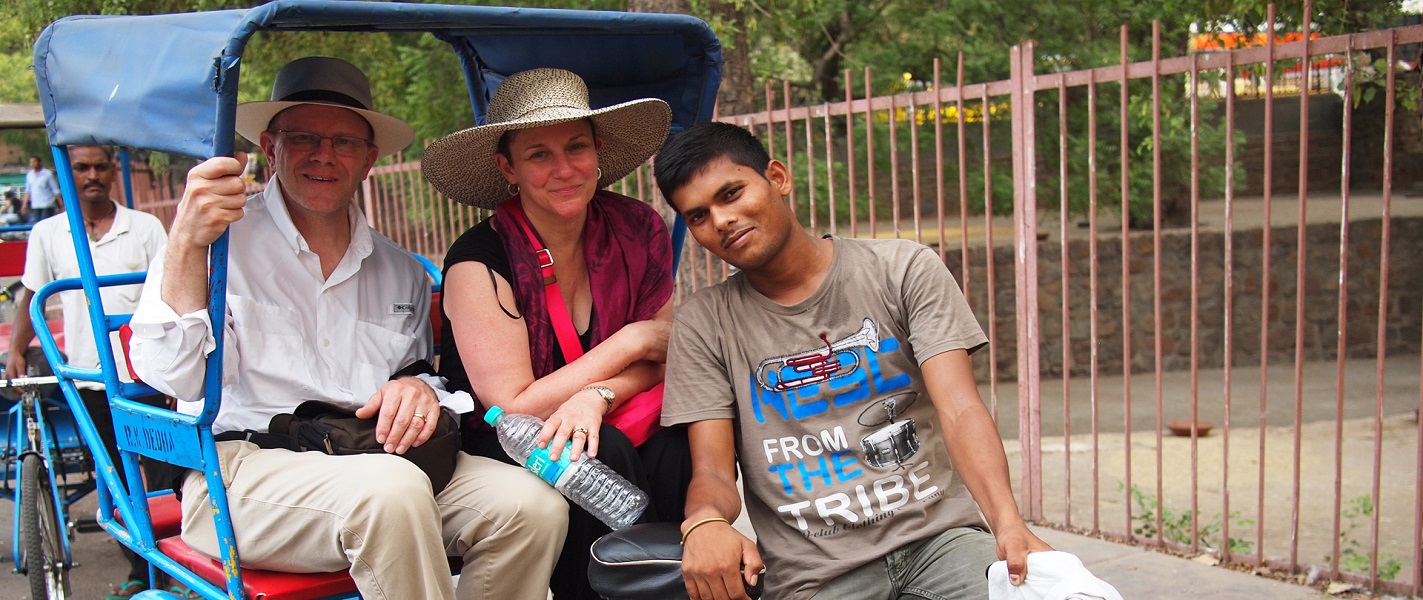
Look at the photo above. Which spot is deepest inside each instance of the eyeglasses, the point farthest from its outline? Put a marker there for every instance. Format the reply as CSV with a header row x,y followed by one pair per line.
x,y
305,141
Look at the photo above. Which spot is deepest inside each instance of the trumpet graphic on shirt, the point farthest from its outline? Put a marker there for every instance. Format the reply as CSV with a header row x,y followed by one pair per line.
x,y
819,364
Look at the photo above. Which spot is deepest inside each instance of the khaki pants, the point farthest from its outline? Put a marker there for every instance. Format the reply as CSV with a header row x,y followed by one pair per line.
x,y
373,515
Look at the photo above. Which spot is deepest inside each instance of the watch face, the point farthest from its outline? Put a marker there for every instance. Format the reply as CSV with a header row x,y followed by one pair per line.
x,y
608,397
605,393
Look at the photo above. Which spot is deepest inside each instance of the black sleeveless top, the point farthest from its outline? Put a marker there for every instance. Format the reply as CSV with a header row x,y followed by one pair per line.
x,y
481,244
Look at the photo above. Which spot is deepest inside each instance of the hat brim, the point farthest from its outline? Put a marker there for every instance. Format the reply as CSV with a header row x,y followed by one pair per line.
x,y
461,165
390,135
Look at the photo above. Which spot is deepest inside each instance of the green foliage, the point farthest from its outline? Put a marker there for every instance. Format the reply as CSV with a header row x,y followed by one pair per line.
x,y
1371,82
1353,556
1176,527
1176,128
812,166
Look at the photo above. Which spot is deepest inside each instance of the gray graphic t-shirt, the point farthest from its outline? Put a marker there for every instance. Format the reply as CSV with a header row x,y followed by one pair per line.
x,y
838,442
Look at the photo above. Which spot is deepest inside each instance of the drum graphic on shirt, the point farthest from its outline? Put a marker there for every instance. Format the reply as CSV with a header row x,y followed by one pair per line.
x,y
895,443
820,364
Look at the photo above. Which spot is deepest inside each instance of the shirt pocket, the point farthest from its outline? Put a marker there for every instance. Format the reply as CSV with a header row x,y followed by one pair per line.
x,y
379,352
122,299
268,340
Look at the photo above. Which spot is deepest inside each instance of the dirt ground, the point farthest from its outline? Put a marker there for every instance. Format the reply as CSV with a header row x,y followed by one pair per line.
x,y
1321,454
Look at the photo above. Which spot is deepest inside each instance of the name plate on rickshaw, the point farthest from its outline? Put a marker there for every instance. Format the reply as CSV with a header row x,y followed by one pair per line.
x,y
167,438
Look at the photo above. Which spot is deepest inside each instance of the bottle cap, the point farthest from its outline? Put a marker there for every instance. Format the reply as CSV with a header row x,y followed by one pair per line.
x,y
493,414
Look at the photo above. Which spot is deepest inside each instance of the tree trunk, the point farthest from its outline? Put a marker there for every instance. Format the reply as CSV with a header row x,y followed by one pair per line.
x,y
737,94
826,67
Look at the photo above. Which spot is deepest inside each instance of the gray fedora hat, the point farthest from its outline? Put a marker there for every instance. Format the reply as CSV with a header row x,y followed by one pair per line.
x,y
461,165
329,81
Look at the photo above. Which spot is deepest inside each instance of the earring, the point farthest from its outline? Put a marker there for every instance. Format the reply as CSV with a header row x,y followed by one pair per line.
x,y
600,173
512,188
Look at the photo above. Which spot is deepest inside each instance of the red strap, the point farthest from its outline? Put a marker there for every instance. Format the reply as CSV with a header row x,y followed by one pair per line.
x,y
557,311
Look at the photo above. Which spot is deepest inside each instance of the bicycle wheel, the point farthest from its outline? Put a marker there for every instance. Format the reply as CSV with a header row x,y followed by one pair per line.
x,y
40,529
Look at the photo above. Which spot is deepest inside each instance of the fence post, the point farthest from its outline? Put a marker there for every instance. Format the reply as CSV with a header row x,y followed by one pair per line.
x,y
368,197
1025,269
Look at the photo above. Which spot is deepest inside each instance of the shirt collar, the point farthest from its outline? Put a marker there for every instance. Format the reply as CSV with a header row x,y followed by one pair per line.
x,y
361,242
123,220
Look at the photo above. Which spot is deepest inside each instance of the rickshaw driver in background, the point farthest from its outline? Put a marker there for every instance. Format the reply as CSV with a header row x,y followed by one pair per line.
x,y
121,241
322,307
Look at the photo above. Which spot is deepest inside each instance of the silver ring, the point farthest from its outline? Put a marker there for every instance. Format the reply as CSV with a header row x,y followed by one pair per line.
x,y
418,416
578,430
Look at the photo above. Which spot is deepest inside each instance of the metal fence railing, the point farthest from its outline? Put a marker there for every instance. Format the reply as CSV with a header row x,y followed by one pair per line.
x,y
1291,322
1190,238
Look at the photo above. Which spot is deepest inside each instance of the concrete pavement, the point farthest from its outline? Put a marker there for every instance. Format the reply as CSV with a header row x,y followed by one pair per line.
x,y
1137,572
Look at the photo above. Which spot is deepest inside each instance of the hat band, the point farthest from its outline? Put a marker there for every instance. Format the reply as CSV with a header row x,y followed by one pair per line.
x,y
325,96
551,111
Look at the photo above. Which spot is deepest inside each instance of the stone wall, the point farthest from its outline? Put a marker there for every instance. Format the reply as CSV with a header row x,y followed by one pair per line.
x,y
1402,329
1326,144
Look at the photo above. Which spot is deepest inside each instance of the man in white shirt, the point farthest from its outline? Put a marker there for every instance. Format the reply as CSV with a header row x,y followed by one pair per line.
x,y
322,307
120,241
41,191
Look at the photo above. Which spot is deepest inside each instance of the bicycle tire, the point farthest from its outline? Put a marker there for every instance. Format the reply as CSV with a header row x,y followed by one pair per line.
x,y
40,529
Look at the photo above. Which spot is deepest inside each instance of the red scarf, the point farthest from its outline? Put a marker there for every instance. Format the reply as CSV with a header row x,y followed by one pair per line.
x,y
629,256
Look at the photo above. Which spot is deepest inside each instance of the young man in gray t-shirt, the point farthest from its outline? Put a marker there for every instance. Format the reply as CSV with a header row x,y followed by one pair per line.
x,y
836,373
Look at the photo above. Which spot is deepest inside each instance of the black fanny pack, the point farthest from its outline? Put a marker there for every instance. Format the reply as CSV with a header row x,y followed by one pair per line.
x,y
320,427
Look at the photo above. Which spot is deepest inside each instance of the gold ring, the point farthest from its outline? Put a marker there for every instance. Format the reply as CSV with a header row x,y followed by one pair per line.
x,y
419,416
578,430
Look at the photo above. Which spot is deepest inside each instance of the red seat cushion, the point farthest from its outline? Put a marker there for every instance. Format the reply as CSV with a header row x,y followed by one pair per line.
x,y
126,338
267,585
12,257
437,318
166,513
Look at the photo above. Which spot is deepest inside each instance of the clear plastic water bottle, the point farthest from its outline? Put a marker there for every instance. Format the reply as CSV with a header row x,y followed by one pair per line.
x,y
588,482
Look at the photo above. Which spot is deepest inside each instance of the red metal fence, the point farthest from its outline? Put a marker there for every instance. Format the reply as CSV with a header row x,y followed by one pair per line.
x,y
1303,350
1147,278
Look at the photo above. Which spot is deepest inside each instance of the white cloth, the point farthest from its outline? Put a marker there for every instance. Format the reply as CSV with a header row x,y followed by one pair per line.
x,y
132,241
292,335
42,188
1052,575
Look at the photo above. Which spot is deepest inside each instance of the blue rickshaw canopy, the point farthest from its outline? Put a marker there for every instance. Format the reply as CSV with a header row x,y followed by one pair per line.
x,y
169,82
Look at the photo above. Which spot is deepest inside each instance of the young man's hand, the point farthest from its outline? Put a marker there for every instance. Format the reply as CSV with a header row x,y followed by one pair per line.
x,y
1014,545
713,556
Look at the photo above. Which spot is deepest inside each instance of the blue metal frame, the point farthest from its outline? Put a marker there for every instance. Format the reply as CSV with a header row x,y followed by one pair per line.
x,y
180,96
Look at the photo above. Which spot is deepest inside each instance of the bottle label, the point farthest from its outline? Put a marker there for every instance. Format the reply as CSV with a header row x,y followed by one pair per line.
x,y
547,469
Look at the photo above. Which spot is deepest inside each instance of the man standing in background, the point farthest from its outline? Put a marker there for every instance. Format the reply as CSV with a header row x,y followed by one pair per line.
x,y
41,191
121,240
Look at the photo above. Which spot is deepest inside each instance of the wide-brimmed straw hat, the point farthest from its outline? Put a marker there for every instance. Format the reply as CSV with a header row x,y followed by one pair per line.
x,y
461,165
329,81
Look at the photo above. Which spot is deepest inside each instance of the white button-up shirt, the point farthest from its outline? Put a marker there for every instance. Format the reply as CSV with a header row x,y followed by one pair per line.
x,y
133,239
292,335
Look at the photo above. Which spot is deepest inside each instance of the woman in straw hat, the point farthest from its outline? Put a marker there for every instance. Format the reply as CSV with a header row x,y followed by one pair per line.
x,y
563,268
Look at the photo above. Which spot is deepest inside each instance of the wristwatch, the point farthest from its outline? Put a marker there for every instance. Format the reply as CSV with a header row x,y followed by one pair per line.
x,y
606,393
